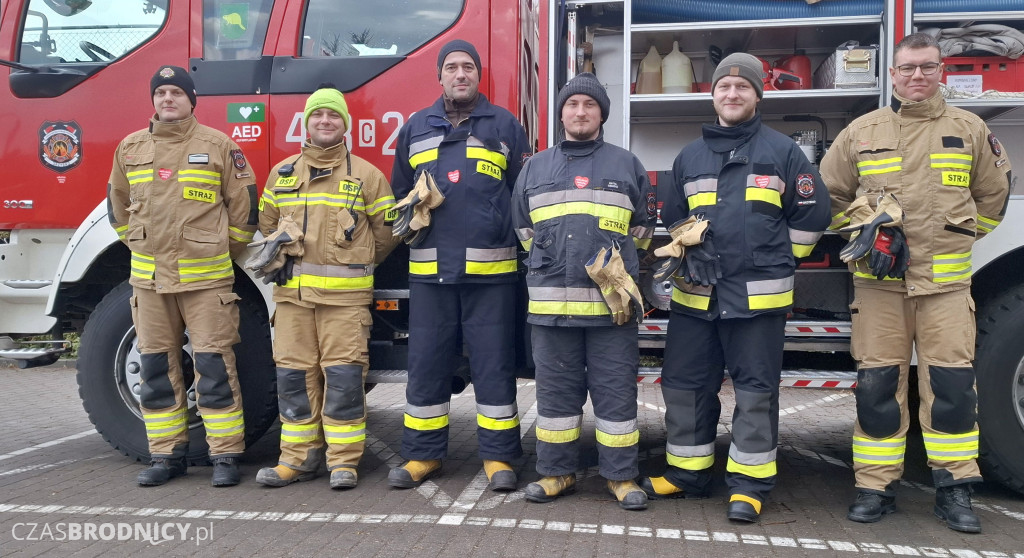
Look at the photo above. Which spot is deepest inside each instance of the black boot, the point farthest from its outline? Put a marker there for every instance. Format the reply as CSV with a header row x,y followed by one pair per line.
x,y
225,472
953,505
869,507
161,470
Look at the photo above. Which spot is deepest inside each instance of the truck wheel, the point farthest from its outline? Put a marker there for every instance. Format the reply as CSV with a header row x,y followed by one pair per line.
x,y
999,362
109,366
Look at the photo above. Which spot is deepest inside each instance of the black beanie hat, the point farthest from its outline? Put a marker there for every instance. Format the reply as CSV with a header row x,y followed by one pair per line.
x,y
457,45
585,84
173,75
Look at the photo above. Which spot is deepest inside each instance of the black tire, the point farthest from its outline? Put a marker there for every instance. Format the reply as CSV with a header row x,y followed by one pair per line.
x,y
999,362
106,369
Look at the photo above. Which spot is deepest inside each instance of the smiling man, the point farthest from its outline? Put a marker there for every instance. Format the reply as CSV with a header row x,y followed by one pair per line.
x,y
765,206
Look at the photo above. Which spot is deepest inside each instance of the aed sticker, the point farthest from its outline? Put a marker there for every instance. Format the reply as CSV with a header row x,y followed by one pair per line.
x,y
199,194
955,178
612,225
349,187
490,169
286,181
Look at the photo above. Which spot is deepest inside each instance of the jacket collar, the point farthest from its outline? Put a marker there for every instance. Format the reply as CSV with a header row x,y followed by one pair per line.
x,y
927,109
483,107
324,157
582,148
722,139
172,131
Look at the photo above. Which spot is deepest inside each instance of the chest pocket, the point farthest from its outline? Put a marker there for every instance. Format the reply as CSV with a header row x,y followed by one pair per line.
x,y
879,165
139,172
286,195
349,223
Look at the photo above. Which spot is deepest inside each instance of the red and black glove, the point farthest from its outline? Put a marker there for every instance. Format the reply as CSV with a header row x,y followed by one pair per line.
x,y
890,255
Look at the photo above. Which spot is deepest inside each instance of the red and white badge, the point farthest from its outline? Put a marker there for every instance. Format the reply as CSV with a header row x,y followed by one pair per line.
x,y
581,181
805,185
453,176
165,173
762,181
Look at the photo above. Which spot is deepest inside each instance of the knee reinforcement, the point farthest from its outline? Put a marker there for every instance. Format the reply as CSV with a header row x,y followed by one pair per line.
x,y
156,391
292,399
343,399
877,408
214,388
955,408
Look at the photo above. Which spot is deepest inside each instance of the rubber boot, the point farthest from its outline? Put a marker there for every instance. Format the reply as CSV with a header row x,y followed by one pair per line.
x,y
628,494
225,472
953,505
414,472
161,470
548,488
869,507
743,508
660,488
501,476
344,477
282,475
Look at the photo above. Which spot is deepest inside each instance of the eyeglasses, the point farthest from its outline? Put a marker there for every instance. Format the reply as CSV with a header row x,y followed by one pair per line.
x,y
907,70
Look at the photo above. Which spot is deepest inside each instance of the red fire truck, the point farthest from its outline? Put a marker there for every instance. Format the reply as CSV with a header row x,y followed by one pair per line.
x,y
77,76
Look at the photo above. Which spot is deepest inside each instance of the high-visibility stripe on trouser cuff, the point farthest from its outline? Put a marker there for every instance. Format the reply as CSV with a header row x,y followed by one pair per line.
x,y
345,433
620,434
951,447
162,425
879,452
502,423
761,471
432,417
690,458
224,424
559,430
299,433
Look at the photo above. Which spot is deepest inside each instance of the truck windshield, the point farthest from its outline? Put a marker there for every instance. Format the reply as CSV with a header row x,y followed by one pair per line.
x,y
73,31
380,28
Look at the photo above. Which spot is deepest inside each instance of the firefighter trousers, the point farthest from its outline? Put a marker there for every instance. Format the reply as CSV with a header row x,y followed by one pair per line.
x,y
570,362
485,316
211,317
322,358
886,327
696,352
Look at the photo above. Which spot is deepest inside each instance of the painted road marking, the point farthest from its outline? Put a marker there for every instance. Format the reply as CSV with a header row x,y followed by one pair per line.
x,y
815,403
717,538
44,445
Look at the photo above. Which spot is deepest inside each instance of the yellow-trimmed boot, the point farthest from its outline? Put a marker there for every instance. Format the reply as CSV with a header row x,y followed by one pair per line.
x,y
743,508
413,472
548,488
282,475
500,475
628,494
660,488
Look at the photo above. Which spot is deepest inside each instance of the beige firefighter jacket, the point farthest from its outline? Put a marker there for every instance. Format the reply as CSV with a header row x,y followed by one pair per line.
x,y
317,189
949,172
183,199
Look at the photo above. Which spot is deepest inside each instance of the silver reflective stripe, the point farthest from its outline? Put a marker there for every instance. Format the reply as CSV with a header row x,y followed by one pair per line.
x,y
770,286
497,411
875,457
700,185
939,161
615,428
322,270
603,197
744,458
490,254
424,145
901,443
562,423
691,451
339,436
642,232
525,233
963,453
237,429
578,294
803,237
174,427
774,183
427,412
423,254
473,141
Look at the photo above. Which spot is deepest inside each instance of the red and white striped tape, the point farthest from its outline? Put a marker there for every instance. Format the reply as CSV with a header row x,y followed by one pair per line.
x,y
786,382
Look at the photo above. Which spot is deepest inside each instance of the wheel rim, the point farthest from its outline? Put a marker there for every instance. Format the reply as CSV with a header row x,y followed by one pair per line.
x,y
1018,392
128,376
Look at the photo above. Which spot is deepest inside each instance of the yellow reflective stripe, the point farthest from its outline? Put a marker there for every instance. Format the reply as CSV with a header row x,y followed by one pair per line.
x,y
217,427
487,155
702,198
802,250
218,267
951,447
958,267
491,268
136,177
197,172
839,220
527,243
756,471
985,224
196,179
691,300
568,308
497,424
423,268
768,301
558,436
642,243
143,266
162,425
299,433
203,260
426,424
880,166
579,208
618,440
870,276
764,194
139,173
938,161
691,463
423,157
744,498
238,234
345,433
330,283
380,204
879,452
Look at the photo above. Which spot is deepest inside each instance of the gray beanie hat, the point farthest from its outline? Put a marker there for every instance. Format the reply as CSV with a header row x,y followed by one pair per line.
x,y
457,45
743,65
585,84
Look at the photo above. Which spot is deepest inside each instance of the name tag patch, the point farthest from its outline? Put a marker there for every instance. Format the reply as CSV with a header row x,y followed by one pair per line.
x,y
490,169
199,194
198,158
954,178
612,225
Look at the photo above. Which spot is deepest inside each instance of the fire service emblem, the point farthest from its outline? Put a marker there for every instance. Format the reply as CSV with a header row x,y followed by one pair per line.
x,y
60,145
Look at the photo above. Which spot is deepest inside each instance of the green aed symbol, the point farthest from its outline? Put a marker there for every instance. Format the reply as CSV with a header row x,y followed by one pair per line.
x,y
233,18
246,112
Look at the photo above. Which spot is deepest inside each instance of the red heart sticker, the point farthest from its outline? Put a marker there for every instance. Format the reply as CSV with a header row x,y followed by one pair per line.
x,y
762,181
453,176
165,173
581,181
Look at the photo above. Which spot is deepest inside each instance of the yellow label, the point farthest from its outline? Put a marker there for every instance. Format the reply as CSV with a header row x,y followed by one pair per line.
x,y
612,225
954,178
199,194
262,201
348,187
391,215
286,181
484,167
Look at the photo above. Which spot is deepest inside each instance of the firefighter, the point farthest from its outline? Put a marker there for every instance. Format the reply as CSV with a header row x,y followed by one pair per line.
x,y
462,269
948,179
762,205
582,208
327,209
183,199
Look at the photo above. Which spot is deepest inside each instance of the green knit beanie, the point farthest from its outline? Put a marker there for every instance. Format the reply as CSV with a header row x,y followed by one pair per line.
x,y
327,97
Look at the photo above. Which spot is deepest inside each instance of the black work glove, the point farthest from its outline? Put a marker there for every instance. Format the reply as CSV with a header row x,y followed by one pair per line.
x,y
285,273
890,254
701,261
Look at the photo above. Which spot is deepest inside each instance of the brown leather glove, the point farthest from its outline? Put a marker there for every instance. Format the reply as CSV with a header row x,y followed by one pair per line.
x,y
617,287
684,233
414,209
285,241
